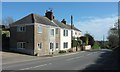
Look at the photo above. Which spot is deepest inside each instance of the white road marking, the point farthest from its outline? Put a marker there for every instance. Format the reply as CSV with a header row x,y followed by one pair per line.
x,y
74,58
41,58
35,66
80,56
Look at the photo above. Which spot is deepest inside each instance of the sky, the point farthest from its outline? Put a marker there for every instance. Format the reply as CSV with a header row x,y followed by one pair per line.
x,y
94,17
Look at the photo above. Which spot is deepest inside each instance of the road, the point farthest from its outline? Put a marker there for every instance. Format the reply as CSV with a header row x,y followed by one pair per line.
x,y
78,61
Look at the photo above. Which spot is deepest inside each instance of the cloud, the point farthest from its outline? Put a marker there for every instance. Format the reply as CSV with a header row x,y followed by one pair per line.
x,y
97,26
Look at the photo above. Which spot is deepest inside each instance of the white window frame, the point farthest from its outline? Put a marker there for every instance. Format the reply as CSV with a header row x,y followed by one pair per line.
x,y
52,32
21,29
40,45
65,45
57,45
57,31
39,28
65,32
51,45
22,45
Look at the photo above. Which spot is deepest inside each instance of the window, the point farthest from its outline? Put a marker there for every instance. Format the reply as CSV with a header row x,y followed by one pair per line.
x,y
75,33
65,33
21,28
52,32
56,45
65,45
51,45
56,30
21,45
40,45
39,29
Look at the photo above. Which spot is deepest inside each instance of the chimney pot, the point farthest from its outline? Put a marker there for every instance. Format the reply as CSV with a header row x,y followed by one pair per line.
x,y
63,21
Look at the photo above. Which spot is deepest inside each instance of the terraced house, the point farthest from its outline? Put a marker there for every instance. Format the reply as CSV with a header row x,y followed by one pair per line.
x,y
39,35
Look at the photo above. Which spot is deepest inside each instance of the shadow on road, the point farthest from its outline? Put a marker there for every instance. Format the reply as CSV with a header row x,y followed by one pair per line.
x,y
106,61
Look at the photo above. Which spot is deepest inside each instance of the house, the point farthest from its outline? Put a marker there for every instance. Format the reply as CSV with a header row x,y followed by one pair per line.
x,y
65,35
33,35
40,35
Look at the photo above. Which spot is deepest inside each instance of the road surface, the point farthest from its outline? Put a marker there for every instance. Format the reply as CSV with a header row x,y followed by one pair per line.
x,y
78,61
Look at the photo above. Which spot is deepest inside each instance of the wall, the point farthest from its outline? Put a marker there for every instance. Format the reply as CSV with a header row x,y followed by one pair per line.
x,y
27,37
65,39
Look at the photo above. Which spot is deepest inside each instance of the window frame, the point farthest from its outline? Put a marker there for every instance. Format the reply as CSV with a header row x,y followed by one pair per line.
x,y
39,29
57,46
52,32
21,45
65,45
40,45
65,32
51,45
21,28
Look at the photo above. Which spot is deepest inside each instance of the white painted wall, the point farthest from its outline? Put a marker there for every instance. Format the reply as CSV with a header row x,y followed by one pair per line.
x,y
65,39
79,34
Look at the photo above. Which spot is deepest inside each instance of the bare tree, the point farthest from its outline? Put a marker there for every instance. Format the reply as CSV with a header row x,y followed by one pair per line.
x,y
6,21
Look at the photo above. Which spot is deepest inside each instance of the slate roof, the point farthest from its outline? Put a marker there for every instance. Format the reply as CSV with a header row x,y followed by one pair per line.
x,y
61,24
34,18
73,27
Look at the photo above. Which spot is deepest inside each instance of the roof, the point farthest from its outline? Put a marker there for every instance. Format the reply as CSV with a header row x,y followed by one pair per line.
x,y
61,24
34,18
73,27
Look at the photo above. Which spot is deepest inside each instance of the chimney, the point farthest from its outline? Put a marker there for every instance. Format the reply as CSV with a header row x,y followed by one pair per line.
x,y
49,14
63,21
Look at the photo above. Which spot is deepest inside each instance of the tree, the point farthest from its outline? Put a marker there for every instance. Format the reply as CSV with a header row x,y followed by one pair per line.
x,y
113,36
89,38
8,20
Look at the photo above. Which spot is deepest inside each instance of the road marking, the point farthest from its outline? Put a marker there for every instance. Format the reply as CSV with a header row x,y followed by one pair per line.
x,y
36,66
80,56
41,58
74,58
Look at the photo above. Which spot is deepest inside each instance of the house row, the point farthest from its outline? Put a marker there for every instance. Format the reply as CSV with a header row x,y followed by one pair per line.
x,y
41,35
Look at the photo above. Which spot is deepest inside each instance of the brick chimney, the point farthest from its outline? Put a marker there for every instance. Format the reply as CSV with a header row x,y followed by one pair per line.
x,y
49,14
63,21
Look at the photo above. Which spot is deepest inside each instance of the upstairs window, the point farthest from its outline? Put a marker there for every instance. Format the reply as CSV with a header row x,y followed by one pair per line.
x,y
65,32
56,30
21,29
39,29
75,33
52,32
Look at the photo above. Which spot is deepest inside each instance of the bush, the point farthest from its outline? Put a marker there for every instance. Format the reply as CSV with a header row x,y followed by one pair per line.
x,y
70,50
96,45
62,51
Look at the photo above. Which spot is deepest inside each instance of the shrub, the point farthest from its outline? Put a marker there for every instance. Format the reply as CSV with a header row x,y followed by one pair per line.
x,y
62,51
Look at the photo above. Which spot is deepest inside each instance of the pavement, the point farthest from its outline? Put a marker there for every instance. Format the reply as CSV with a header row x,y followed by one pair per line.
x,y
86,60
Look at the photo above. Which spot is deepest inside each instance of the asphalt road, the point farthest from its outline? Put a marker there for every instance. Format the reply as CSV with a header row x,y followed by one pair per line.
x,y
79,61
